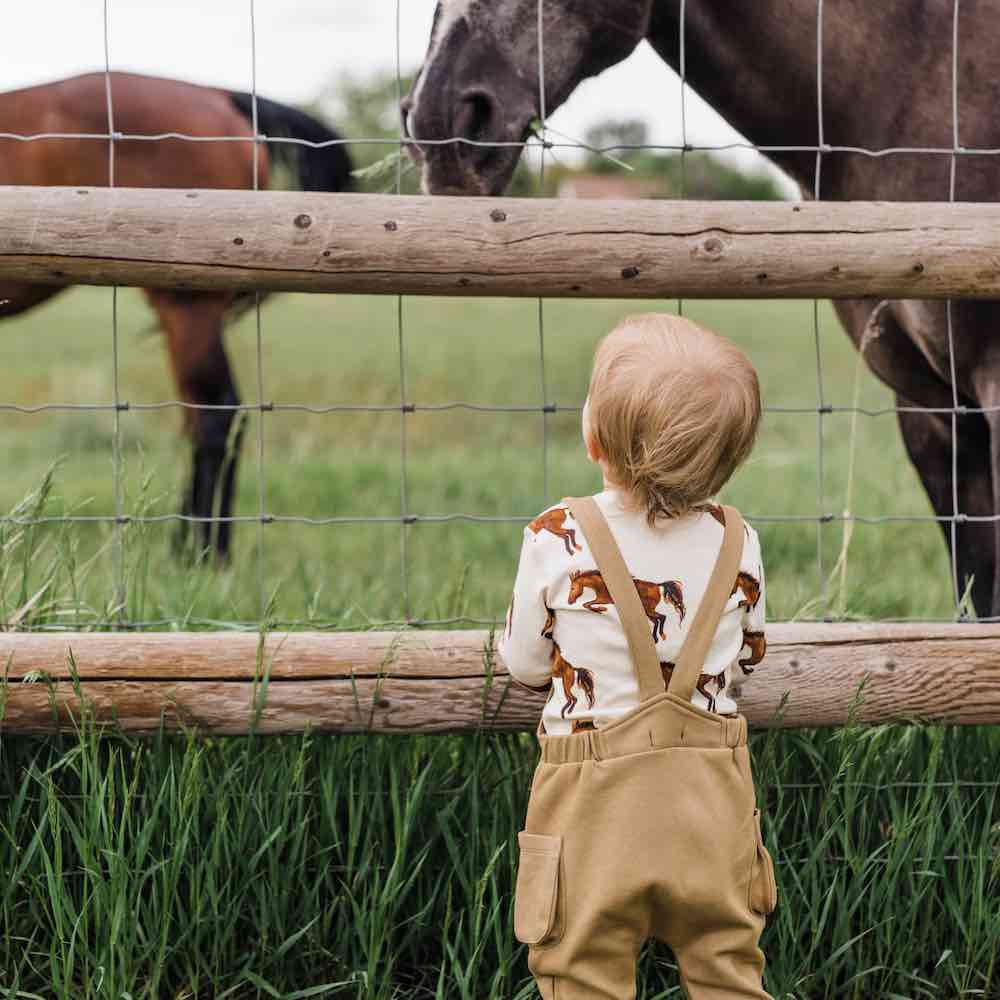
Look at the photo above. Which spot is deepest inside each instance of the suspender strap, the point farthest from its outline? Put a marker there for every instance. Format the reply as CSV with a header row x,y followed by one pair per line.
x,y
623,592
691,658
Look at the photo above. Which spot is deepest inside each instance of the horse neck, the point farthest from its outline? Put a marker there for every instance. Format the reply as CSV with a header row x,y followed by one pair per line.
x,y
755,63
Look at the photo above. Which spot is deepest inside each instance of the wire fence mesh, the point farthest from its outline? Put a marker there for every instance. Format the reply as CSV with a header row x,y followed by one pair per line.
x,y
408,519
545,142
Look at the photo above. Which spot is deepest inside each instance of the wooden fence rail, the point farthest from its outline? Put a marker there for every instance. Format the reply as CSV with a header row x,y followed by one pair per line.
x,y
441,681
292,241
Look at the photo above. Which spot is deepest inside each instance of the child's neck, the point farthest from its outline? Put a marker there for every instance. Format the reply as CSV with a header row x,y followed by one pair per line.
x,y
619,492
609,484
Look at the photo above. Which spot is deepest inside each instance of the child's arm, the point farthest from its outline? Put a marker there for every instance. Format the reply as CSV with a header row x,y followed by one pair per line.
x,y
754,641
525,645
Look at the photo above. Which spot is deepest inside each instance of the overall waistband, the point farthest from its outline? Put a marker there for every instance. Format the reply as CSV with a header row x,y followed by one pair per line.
x,y
662,721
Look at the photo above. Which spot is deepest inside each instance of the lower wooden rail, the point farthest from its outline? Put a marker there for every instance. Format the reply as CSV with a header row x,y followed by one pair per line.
x,y
447,681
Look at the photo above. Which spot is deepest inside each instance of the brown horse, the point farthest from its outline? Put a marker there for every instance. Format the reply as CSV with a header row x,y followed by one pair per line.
x,y
758,647
554,521
749,586
719,679
649,593
564,671
191,321
886,84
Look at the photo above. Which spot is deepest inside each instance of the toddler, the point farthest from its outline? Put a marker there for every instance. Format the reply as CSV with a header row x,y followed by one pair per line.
x,y
633,609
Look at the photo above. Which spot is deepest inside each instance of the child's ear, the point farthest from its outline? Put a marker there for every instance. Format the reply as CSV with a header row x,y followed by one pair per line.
x,y
593,451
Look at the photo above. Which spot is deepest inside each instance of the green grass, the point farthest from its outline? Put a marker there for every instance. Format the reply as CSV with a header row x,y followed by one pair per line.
x,y
327,351
377,868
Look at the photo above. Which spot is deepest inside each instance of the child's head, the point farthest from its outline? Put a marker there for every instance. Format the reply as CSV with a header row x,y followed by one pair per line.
x,y
671,413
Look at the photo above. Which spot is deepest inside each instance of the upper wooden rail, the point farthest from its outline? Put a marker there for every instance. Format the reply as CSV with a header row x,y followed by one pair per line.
x,y
292,241
416,681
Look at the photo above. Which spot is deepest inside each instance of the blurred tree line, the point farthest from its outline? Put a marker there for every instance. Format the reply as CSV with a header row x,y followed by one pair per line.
x,y
368,108
694,175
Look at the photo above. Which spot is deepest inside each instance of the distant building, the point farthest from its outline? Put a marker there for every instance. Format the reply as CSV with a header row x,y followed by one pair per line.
x,y
608,186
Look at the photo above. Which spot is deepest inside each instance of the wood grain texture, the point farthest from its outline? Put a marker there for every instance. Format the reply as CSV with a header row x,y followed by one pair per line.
x,y
446,681
294,241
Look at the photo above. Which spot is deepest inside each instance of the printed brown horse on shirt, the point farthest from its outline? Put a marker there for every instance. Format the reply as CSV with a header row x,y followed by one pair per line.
x,y
570,676
749,586
554,521
649,593
564,671
719,680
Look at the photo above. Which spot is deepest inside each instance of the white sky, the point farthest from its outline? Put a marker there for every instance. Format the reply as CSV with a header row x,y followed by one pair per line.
x,y
301,46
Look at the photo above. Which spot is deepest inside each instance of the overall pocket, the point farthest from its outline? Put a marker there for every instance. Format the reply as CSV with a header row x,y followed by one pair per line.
x,y
536,896
763,892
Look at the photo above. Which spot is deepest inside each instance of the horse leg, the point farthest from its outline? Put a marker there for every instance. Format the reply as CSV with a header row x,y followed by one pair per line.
x,y
193,325
567,679
928,440
894,357
703,683
565,535
992,399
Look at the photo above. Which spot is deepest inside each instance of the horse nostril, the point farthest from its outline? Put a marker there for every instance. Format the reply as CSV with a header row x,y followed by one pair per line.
x,y
475,115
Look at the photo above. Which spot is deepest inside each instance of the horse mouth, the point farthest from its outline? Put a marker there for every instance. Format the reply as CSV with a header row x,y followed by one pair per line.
x,y
447,169
471,156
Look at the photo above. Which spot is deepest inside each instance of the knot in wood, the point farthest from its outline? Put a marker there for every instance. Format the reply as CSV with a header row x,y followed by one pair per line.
x,y
630,272
713,246
391,226
498,215
303,221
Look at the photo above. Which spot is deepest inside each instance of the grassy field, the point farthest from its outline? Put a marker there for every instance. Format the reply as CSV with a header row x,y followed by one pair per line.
x,y
326,351
378,868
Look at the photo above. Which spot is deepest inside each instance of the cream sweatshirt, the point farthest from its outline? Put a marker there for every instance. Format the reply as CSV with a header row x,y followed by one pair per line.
x,y
562,632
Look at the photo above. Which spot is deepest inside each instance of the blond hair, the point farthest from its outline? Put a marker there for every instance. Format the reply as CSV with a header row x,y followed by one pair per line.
x,y
674,409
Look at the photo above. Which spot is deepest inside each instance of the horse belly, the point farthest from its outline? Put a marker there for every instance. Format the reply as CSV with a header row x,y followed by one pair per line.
x,y
16,297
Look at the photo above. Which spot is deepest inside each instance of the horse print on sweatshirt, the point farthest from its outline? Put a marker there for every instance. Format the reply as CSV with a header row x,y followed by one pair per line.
x,y
563,635
649,593
554,521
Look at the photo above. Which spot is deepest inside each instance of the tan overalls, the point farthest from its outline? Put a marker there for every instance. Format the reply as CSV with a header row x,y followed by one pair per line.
x,y
647,827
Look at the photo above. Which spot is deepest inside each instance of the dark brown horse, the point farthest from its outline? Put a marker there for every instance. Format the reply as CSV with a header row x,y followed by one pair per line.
x,y
192,321
886,83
